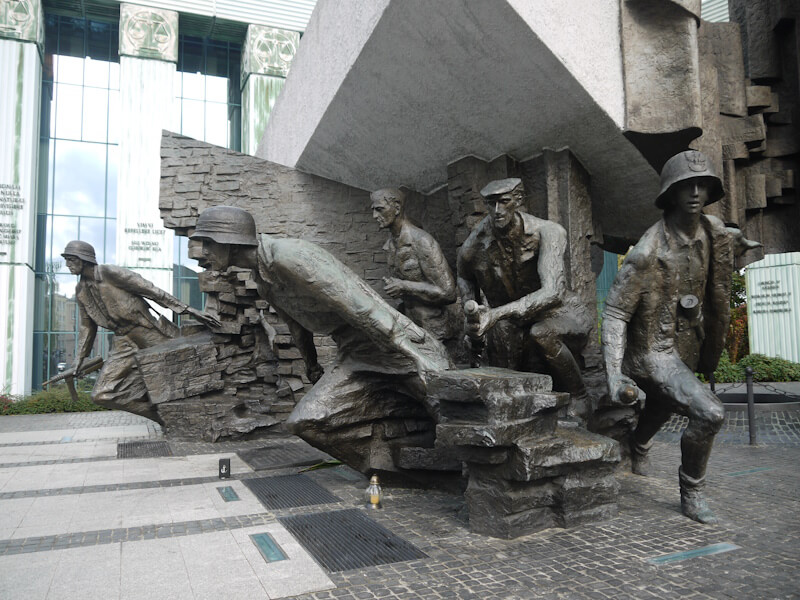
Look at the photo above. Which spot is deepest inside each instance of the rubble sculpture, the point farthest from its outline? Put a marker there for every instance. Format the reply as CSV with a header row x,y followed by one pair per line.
x,y
372,397
533,322
666,317
420,276
114,298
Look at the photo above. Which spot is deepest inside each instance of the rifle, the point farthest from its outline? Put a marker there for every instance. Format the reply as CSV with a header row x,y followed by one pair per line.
x,y
90,366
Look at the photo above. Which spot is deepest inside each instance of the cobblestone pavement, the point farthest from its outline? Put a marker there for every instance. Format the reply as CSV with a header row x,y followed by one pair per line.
x,y
755,490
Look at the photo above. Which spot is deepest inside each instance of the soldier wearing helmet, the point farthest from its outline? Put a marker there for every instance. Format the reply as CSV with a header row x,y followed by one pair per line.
x,y
666,317
382,355
113,297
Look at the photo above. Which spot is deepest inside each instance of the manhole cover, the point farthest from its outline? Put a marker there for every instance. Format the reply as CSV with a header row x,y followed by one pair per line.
x,y
288,491
348,539
285,455
143,449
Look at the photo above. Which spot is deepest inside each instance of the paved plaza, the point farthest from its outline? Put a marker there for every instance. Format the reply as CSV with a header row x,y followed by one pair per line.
x,y
82,517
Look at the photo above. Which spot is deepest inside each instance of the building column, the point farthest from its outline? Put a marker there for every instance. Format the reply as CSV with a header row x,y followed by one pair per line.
x,y
266,57
148,48
21,38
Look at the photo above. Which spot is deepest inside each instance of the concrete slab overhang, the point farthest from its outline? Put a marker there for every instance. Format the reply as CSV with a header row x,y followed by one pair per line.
x,y
389,92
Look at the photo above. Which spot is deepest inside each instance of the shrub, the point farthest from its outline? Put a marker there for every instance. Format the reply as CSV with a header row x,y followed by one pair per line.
x,y
767,368
55,400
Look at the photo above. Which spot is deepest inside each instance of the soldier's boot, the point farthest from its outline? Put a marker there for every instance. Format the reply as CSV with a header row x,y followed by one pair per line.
x,y
693,504
640,461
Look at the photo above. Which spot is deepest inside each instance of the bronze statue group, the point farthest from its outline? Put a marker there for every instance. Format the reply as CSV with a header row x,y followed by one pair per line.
x,y
666,316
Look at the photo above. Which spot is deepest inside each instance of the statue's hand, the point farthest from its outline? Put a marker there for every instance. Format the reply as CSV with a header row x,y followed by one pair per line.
x,y
314,372
622,390
393,287
204,318
479,319
76,368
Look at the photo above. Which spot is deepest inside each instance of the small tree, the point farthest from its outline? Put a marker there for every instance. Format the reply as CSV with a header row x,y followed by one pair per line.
x,y
737,343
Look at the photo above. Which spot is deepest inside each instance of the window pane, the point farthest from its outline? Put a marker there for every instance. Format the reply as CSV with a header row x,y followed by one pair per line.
x,y
191,55
63,306
95,114
71,37
63,229
93,230
113,117
111,185
193,86
98,40
111,241
216,89
62,352
96,73
68,111
41,359
216,124
192,118
217,59
41,283
113,75
80,179
69,69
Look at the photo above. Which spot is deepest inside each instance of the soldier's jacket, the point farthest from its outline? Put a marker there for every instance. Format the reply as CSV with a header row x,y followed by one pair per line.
x,y
645,294
115,300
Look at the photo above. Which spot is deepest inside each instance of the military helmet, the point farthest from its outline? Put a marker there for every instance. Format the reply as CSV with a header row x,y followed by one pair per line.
x,y
226,225
83,250
688,165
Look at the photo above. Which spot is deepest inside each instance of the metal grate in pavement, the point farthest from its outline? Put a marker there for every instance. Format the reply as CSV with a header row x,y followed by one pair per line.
x,y
288,491
143,449
348,539
283,455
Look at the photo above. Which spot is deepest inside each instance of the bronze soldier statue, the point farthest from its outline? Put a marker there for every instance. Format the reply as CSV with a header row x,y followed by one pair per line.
x,y
666,317
382,355
420,275
114,298
532,321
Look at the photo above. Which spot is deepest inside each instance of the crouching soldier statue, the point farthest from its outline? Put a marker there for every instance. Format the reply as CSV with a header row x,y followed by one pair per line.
x,y
376,382
114,298
666,317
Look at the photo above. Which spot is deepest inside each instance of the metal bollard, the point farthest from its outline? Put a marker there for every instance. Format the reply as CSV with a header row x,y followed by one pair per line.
x,y
751,405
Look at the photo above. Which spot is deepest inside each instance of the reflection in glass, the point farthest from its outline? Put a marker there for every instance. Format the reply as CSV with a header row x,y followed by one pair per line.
x,y
216,124
93,230
69,69
216,89
111,241
63,306
80,178
63,350
95,115
111,187
63,229
95,73
68,100
192,119
113,117
193,86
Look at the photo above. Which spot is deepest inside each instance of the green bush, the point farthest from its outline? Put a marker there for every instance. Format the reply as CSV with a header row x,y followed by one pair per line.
x,y
765,368
54,400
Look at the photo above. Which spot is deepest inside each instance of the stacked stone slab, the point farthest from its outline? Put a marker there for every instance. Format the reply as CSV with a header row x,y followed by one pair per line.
x,y
227,384
526,471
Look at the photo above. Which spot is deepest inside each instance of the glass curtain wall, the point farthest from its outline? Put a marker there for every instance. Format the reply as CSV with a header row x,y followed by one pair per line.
x,y
77,177
78,160
208,109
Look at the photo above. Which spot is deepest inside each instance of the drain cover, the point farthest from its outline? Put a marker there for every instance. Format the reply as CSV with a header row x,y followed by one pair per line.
x,y
348,539
288,491
285,455
143,449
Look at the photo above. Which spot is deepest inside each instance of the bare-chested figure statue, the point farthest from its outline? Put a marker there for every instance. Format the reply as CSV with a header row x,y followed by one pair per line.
x,y
533,322
666,317
420,276
373,395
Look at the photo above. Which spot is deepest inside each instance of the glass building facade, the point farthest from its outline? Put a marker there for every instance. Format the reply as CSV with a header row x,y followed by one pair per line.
x,y
78,164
